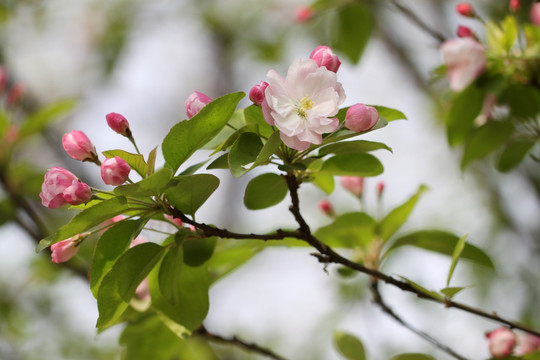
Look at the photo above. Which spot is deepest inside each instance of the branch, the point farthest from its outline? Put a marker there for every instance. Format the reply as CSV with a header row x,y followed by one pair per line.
x,y
411,15
377,299
238,342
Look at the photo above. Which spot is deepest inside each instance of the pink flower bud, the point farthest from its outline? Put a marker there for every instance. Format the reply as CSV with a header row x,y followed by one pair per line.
x,y
465,59
56,180
501,342
77,193
78,146
380,188
535,14
526,343
64,250
195,102
360,117
303,14
326,207
256,94
3,78
175,221
118,123
354,184
324,56
115,171
465,9
465,31
514,5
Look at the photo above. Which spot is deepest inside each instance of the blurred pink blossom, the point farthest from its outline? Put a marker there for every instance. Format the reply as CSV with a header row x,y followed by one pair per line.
x,y
466,60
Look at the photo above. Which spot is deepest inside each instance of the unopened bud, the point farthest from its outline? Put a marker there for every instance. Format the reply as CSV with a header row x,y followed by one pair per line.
x,y
195,102
118,123
514,5
64,250
360,117
465,31
303,14
465,9
353,184
526,343
115,171
175,221
78,146
326,207
535,14
77,193
380,188
501,342
324,56
256,94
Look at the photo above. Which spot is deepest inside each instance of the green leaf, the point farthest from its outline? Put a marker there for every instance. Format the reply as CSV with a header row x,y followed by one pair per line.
x,y
244,153
4,123
352,147
422,289
264,191
110,246
190,290
349,346
151,163
351,30
412,356
231,254
189,192
349,230
397,217
464,109
135,161
190,135
269,148
486,139
87,219
169,273
253,115
513,154
39,120
222,162
119,285
460,246
524,101
151,186
442,242
389,114
190,170
323,181
511,31
234,136
353,165
197,251
452,291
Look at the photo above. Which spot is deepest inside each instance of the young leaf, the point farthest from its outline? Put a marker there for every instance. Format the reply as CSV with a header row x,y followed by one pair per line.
x,y
441,242
422,289
234,136
486,139
513,154
351,30
110,246
397,217
450,292
151,163
244,152
353,165
323,181
349,231
119,285
352,147
87,219
460,118
190,135
349,346
264,191
460,246
151,186
189,192
135,161
412,356
222,162
269,148
389,114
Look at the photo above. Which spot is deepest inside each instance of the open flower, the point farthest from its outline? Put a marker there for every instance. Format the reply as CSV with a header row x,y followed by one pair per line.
x,y
302,105
466,60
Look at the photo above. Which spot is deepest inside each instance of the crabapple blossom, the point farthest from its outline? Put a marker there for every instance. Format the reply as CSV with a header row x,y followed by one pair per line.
x,y
78,146
465,31
465,9
64,250
303,14
501,342
326,207
535,14
466,60
256,94
195,102
353,184
303,105
526,343
115,171
324,56
176,221
118,123
361,117
77,193
380,188
514,5
57,179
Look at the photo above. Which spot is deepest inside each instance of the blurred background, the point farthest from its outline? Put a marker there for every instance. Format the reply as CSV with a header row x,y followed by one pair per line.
x,y
142,59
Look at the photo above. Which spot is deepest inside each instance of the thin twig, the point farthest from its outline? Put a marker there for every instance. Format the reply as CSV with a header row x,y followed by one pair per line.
x,y
411,15
235,341
378,299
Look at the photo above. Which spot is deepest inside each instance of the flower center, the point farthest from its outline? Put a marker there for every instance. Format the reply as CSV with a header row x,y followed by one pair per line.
x,y
305,104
